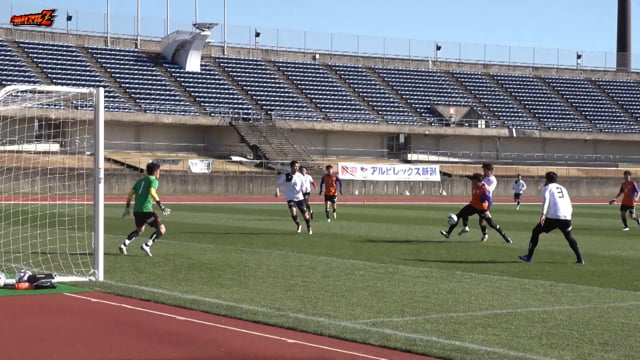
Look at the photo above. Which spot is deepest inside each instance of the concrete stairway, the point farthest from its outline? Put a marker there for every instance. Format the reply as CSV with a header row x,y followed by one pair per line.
x,y
269,142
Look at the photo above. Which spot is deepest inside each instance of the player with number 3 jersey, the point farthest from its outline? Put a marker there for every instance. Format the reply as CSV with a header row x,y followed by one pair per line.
x,y
556,214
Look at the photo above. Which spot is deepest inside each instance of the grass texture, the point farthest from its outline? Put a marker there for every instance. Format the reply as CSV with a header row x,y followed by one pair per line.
x,y
382,274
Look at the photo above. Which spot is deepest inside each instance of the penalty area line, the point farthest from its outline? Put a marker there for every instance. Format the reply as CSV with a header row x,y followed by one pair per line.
x,y
496,312
226,327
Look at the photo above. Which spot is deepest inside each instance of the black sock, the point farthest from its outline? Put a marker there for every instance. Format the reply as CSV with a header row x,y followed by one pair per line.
x,y
132,236
154,237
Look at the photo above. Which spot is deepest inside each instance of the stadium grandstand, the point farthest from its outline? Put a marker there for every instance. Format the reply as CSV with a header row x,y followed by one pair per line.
x,y
191,99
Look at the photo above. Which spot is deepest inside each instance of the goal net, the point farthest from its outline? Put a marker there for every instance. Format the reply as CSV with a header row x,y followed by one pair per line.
x,y
51,181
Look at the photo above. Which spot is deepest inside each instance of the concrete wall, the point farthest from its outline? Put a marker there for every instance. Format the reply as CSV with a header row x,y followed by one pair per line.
x,y
263,185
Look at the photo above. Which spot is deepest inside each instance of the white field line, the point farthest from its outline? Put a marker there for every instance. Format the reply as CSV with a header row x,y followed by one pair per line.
x,y
226,327
474,347
496,312
401,267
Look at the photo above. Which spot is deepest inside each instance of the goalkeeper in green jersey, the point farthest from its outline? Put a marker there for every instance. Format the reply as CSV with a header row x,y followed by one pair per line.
x,y
145,194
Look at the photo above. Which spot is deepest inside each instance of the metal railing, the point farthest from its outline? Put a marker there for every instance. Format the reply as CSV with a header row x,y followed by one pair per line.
x,y
519,158
326,43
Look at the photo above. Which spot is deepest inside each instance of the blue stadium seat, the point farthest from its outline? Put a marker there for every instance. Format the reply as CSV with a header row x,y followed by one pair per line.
x,y
542,102
423,88
497,102
267,89
213,92
327,93
598,109
66,66
139,77
626,93
376,95
13,70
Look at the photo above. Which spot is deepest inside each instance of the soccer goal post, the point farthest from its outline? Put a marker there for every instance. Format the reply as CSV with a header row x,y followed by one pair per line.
x,y
52,181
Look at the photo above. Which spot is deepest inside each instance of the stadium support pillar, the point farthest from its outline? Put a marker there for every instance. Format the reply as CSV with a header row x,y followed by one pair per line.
x,y
623,50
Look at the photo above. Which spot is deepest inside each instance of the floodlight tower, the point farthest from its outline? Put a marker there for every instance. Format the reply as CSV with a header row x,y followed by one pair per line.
x,y
204,26
623,49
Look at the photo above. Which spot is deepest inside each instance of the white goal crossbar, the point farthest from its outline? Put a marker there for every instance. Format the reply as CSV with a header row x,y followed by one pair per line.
x,y
52,181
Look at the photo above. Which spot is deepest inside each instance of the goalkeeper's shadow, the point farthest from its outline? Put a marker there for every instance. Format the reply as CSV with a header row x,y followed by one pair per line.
x,y
477,262
401,241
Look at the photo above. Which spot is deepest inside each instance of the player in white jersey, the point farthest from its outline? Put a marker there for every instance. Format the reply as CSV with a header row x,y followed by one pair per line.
x,y
519,186
556,214
306,189
490,180
293,183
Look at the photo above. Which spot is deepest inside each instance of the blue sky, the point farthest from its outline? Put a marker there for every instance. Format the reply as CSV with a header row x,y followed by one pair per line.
x,y
566,24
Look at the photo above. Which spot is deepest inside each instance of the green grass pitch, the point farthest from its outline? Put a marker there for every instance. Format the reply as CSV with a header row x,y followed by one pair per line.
x,y
382,274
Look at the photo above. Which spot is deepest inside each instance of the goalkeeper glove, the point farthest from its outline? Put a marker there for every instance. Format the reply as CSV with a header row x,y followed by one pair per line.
x,y
166,211
126,212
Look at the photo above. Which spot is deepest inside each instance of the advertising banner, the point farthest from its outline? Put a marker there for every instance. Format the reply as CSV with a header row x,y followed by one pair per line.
x,y
388,172
200,166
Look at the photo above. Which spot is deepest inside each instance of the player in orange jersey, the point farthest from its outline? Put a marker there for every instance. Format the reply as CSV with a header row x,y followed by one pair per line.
x,y
479,205
630,193
332,184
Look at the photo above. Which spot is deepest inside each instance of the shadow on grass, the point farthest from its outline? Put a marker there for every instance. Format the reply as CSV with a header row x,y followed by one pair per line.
x,y
213,232
426,241
443,261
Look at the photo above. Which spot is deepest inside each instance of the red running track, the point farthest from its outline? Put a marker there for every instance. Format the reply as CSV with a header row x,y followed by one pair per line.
x,y
83,326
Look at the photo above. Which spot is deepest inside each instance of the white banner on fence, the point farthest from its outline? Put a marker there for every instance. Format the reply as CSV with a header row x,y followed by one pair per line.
x,y
388,172
200,166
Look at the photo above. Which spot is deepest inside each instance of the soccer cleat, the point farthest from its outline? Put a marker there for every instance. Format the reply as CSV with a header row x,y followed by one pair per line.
x,y
310,231
463,231
484,238
625,229
525,258
517,207
506,239
580,261
638,220
146,249
122,249
311,215
328,220
444,233
335,215
299,229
